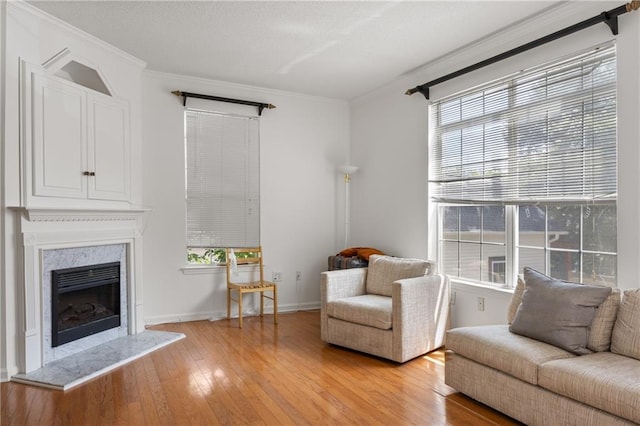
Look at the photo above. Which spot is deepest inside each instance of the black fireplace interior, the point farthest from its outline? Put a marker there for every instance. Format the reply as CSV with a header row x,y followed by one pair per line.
x,y
85,301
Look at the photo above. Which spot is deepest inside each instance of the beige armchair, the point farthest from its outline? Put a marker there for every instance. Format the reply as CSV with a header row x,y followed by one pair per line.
x,y
390,309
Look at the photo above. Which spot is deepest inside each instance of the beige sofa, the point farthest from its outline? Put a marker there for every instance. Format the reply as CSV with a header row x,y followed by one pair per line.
x,y
390,309
541,384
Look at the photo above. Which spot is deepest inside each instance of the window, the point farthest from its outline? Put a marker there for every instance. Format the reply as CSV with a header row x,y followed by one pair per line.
x,y
222,184
524,173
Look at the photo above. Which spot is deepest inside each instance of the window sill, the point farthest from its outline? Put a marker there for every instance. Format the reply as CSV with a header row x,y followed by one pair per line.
x,y
202,269
477,285
211,269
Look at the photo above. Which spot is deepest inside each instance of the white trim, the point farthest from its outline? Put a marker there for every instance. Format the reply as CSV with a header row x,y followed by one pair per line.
x,y
80,215
221,315
234,87
202,269
63,58
506,37
198,269
72,228
461,283
547,21
26,7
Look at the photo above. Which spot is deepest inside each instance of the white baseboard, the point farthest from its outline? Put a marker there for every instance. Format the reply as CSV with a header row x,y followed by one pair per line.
x,y
216,315
4,375
309,306
163,319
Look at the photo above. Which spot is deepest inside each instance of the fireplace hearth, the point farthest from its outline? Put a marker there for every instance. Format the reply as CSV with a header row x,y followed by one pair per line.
x,y
85,300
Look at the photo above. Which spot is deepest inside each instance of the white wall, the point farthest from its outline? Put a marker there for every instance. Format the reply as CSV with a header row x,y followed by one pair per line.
x,y
30,35
3,261
302,142
389,142
388,197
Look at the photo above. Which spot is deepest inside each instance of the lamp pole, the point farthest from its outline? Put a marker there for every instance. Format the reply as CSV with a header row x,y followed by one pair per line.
x,y
347,171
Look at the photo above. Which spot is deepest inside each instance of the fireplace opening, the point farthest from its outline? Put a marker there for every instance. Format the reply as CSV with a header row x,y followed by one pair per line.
x,y
85,300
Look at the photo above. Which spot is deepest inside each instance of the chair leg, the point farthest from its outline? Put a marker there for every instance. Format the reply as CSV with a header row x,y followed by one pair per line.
x,y
262,303
240,308
275,305
228,303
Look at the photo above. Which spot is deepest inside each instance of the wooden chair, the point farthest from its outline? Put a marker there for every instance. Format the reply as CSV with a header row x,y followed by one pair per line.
x,y
254,286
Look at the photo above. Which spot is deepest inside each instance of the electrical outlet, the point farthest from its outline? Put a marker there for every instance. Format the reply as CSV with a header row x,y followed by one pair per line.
x,y
298,275
276,277
481,303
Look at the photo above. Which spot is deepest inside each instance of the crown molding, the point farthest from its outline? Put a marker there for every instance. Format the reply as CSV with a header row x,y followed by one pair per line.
x,y
34,11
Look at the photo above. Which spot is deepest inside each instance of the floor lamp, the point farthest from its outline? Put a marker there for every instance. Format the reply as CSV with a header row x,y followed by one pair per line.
x,y
347,171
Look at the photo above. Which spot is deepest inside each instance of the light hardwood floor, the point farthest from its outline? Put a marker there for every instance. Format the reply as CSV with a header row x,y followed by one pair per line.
x,y
263,375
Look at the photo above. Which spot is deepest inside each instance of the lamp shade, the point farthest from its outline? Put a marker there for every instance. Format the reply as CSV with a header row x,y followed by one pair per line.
x,y
348,170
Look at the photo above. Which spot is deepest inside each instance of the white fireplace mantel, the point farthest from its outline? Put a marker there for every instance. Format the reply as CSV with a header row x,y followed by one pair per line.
x,y
54,228
80,215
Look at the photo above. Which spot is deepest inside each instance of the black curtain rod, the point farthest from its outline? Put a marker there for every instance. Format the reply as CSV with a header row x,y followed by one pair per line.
x,y
186,95
610,18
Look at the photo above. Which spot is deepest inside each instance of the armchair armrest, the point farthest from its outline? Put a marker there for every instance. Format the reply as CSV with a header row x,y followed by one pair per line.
x,y
420,314
432,267
342,283
337,285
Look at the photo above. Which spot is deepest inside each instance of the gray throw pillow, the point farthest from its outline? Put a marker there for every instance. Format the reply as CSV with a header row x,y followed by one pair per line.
x,y
603,321
557,312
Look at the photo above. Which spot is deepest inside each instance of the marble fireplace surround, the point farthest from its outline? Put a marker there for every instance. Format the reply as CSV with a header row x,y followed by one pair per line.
x,y
54,238
62,258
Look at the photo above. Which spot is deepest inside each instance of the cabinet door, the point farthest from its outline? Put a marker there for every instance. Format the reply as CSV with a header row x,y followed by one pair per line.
x,y
59,138
108,148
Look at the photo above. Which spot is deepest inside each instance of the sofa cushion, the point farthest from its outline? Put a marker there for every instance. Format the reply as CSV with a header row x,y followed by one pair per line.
x,y
625,339
516,299
384,270
557,312
603,380
370,309
495,346
603,321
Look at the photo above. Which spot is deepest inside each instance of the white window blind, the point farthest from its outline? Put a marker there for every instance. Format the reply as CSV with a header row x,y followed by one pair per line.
x,y
542,136
223,186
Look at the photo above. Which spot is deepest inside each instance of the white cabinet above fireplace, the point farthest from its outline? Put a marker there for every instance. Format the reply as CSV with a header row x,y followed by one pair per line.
x,y
77,146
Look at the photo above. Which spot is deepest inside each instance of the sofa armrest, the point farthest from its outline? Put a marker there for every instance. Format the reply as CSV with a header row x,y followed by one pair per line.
x,y
420,314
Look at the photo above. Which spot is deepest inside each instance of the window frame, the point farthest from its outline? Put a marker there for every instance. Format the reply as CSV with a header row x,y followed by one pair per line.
x,y
253,170
512,243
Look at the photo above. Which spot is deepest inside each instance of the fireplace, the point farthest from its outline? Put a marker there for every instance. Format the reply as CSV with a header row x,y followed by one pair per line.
x,y
85,300
54,239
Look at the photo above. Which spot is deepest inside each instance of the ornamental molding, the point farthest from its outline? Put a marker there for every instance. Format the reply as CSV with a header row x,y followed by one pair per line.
x,y
81,215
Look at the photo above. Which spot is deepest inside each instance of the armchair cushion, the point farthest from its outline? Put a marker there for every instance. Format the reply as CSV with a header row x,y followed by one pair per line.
x,y
370,309
384,270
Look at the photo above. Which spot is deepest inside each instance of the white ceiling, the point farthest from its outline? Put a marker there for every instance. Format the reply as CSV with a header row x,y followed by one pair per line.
x,y
337,49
